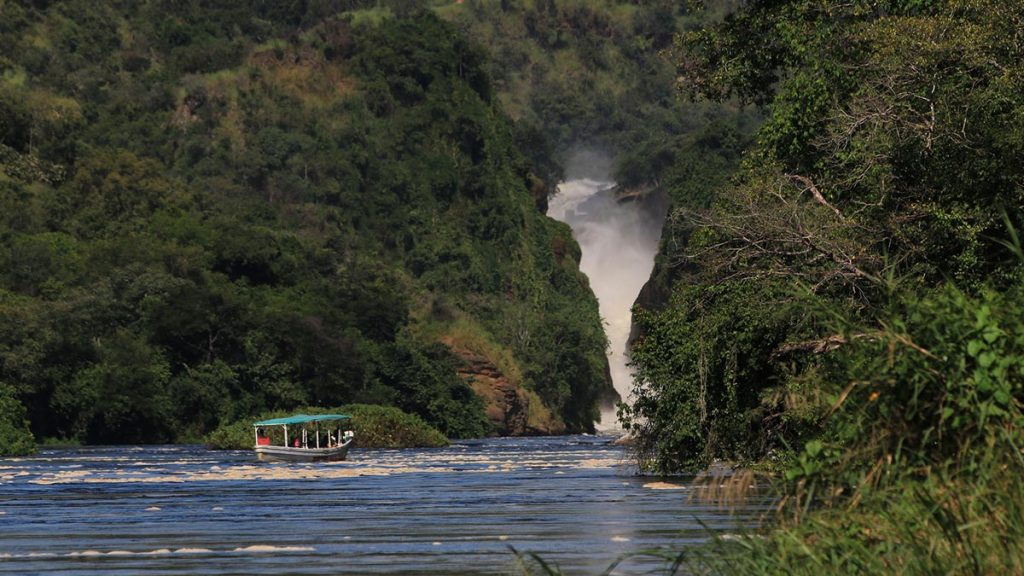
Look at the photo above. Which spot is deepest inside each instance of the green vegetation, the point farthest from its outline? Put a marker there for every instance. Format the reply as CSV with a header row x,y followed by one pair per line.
x,y
594,73
209,213
15,437
374,427
846,311
212,214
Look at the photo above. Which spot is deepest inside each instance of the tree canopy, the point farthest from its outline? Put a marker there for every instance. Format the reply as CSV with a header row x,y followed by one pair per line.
x,y
887,171
209,212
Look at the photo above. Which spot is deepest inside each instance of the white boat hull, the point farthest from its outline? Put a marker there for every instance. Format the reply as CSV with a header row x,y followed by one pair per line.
x,y
290,454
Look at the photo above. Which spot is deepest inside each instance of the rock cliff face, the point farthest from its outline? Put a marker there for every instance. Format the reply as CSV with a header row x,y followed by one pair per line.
x,y
512,409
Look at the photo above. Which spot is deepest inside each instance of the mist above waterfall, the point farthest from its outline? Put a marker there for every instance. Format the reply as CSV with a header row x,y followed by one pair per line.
x,y
618,240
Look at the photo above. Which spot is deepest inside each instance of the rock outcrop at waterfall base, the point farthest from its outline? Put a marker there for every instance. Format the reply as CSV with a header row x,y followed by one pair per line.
x,y
511,409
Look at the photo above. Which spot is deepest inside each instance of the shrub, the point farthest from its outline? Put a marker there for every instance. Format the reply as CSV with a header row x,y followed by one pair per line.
x,y
15,437
937,384
374,427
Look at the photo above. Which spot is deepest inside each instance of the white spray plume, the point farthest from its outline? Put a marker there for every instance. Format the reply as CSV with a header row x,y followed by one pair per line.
x,y
618,241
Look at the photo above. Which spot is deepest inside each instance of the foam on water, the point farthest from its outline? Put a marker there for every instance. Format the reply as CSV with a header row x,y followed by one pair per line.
x,y
618,242
185,510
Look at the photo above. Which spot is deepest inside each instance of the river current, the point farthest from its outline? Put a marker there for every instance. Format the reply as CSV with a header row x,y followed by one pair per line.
x,y
574,500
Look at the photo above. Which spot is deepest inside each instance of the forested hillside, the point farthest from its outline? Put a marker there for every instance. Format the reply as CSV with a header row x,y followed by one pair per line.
x,y
598,74
209,210
847,310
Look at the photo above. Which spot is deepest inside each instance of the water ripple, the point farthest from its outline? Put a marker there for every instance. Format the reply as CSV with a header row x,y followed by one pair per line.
x,y
185,510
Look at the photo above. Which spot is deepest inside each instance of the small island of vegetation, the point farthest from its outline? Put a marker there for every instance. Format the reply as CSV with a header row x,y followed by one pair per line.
x,y
374,427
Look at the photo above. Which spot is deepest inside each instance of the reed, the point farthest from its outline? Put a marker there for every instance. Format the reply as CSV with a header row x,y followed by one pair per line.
x,y
945,523
726,488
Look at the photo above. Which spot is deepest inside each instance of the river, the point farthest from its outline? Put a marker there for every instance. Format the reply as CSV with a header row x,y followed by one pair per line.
x,y
575,500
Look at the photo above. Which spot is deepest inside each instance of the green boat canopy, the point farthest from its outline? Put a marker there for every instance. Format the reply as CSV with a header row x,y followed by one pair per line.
x,y
302,419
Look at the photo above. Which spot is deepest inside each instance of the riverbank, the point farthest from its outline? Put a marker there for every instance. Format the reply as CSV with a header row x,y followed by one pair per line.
x,y
938,524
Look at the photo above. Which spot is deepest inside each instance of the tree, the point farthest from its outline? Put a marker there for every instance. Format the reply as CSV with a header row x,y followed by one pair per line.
x,y
884,161
15,437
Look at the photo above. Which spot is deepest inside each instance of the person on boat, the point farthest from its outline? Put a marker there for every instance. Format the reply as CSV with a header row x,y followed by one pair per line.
x,y
296,443
262,439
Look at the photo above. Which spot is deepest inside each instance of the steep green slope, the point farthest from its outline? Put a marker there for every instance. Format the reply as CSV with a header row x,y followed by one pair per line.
x,y
887,173
848,311
207,213
597,74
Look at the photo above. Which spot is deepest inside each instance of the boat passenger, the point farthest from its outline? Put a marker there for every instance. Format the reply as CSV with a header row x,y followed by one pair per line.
x,y
262,439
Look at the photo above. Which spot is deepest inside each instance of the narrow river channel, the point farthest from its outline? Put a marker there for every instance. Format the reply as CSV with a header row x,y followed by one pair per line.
x,y
575,500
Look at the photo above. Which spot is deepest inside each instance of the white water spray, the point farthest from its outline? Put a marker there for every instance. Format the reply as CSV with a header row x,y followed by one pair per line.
x,y
618,241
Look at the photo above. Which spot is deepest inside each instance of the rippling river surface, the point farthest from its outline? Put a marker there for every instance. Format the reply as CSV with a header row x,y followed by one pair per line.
x,y
574,500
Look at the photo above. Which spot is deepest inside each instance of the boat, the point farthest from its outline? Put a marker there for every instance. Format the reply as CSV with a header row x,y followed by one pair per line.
x,y
309,442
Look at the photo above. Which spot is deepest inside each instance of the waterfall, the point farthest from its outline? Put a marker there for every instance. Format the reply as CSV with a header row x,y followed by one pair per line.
x,y
618,240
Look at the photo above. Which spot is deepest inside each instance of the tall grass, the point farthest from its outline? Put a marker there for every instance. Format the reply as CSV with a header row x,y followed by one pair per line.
x,y
946,522
918,468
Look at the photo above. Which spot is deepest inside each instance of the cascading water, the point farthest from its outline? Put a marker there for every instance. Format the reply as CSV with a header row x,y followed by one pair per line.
x,y
618,240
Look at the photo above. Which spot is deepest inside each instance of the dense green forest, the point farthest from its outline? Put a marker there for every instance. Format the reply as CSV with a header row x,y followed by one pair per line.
x,y
595,73
845,312
214,210
210,211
